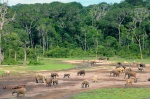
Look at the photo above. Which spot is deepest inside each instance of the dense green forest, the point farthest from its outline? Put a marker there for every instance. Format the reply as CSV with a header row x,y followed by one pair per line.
x,y
62,30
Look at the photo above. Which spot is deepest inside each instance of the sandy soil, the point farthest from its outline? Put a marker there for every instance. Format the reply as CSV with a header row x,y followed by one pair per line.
x,y
70,86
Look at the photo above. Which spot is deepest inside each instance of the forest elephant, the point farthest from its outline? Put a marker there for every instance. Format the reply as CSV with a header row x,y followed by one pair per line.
x,y
81,72
141,65
66,75
92,63
115,73
55,81
128,82
85,84
6,73
40,77
19,91
120,69
127,69
48,82
131,73
95,78
54,75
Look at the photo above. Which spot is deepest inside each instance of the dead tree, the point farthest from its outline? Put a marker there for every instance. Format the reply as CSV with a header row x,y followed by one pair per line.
x,y
3,20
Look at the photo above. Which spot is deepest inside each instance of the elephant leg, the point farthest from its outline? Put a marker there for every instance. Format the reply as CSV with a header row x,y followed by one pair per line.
x,y
36,80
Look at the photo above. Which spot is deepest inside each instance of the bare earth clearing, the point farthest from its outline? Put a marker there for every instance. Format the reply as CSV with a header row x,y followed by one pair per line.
x,y
72,85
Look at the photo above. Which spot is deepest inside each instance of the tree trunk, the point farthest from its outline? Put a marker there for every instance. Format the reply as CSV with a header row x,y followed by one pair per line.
x,y
96,44
96,47
15,55
47,44
139,42
119,34
43,43
85,41
140,47
0,48
25,54
9,53
1,28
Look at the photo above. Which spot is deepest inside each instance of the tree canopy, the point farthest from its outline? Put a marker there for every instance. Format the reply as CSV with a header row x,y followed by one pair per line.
x,y
71,30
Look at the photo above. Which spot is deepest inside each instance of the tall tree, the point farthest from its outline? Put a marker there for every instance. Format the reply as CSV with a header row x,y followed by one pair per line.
x,y
25,41
117,16
27,17
3,20
97,13
139,15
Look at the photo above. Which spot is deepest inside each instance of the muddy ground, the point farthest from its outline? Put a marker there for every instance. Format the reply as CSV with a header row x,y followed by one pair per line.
x,y
70,86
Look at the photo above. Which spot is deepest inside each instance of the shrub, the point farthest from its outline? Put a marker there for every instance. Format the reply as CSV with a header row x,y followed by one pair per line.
x,y
34,62
58,52
9,62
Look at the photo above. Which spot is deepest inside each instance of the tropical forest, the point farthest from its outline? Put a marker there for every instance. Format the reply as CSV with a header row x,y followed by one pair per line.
x,y
70,30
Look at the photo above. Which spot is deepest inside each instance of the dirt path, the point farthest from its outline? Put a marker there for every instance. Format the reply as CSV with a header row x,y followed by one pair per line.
x,y
72,85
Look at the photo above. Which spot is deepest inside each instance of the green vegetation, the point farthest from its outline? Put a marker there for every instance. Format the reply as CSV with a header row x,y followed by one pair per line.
x,y
1,72
50,64
69,30
115,93
57,64
47,64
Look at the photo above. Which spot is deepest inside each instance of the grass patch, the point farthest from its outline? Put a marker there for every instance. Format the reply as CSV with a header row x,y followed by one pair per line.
x,y
48,64
1,72
115,93
56,64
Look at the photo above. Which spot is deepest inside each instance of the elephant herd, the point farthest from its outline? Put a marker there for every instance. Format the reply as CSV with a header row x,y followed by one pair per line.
x,y
42,78
127,71
52,79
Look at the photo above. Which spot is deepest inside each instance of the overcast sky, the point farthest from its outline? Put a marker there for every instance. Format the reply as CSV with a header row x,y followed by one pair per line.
x,y
83,2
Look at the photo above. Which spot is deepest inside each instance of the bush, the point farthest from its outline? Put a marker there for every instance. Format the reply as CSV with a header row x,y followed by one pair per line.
x,y
34,62
128,54
58,52
9,62
31,53
77,52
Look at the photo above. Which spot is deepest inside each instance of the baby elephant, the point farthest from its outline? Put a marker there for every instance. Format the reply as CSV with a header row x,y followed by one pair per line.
x,y
128,82
115,73
55,81
19,91
68,75
6,73
95,78
48,81
54,75
85,84
81,72
141,69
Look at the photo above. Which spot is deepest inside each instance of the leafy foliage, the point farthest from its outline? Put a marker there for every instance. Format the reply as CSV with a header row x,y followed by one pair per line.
x,y
72,30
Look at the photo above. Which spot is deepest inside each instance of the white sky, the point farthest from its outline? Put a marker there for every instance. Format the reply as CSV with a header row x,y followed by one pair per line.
x,y
83,2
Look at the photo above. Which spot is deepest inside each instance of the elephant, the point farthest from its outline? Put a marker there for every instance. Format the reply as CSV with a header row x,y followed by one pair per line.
x,y
40,77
